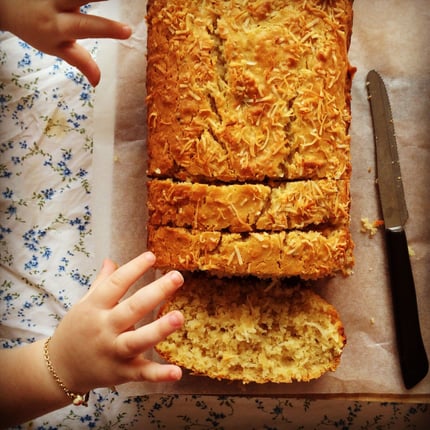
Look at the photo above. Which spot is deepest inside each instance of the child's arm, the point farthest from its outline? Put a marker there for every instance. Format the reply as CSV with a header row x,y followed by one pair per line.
x,y
95,345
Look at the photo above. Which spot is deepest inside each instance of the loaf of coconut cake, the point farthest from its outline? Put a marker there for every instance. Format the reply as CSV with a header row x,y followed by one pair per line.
x,y
253,331
248,111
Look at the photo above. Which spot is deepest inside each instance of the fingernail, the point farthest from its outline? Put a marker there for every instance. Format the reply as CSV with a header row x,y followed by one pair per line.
x,y
176,373
176,319
176,277
127,30
150,257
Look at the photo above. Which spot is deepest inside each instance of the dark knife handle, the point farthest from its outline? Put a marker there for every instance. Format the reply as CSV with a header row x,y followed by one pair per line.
x,y
413,358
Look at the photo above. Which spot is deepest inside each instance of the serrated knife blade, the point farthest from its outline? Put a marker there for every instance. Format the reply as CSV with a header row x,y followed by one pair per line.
x,y
413,358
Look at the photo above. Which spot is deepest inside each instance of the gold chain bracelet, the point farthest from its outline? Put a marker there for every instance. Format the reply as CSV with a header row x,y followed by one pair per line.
x,y
77,399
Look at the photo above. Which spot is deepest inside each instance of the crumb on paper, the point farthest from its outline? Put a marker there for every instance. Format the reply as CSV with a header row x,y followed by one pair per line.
x,y
372,321
115,158
370,227
369,170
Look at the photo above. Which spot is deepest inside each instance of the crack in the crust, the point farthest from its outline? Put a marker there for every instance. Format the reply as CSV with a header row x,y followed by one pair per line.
x,y
288,135
218,48
214,106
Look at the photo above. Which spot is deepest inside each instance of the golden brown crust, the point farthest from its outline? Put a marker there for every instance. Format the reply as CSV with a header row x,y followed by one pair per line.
x,y
253,331
308,254
248,90
248,207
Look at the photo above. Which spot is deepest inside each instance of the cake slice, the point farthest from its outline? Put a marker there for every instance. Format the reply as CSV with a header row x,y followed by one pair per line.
x,y
248,207
253,331
307,254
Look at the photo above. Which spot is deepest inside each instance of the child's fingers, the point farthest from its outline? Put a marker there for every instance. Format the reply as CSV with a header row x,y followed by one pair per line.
x,y
79,57
154,372
132,343
113,288
130,311
81,26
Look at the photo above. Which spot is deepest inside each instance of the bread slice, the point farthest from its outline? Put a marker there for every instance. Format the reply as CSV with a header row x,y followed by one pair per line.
x,y
248,207
253,331
308,254
248,90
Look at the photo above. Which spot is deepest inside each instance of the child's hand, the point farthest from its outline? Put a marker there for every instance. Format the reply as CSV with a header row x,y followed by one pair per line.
x,y
96,344
53,26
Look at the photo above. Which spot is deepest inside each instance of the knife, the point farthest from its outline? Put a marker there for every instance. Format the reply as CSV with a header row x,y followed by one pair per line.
x,y
413,358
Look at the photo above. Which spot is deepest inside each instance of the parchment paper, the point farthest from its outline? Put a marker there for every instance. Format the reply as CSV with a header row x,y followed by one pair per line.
x,y
390,36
